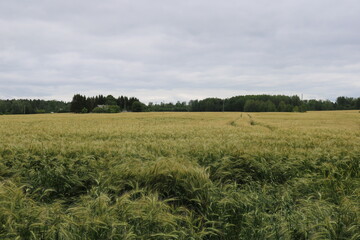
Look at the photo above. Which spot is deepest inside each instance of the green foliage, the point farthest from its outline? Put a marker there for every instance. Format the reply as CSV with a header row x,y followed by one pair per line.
x,y
113,109
259,106
99,110
109,104
110,100
249,103
137,107
25,106
40,111
168,107
107,109
78,103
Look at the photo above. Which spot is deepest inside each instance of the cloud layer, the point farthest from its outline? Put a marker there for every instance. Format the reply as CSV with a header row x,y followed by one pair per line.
x,y
179,50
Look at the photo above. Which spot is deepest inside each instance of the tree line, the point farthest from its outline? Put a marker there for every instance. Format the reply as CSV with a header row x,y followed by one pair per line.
x,y
28,106
101,104
244,103
258,103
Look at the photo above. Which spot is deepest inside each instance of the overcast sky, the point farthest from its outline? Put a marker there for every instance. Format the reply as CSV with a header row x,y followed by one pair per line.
x,y
164,50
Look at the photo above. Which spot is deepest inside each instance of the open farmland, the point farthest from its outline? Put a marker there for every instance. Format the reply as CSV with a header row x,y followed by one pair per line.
x,y
180,176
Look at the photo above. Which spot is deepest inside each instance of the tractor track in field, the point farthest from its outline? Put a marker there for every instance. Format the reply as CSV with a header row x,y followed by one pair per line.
x,y
249,119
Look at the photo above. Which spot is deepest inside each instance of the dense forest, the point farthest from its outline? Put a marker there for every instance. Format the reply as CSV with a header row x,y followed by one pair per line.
x,y
110,104
26,106
100,103
257,103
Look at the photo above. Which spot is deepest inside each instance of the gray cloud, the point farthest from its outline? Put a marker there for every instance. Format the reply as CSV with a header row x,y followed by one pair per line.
x,y
179,50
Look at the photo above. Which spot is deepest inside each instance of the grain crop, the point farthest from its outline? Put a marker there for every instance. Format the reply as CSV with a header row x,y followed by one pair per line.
x,y
180,176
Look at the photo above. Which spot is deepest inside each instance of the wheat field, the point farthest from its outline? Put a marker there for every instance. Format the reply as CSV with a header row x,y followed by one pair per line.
x,y
180,176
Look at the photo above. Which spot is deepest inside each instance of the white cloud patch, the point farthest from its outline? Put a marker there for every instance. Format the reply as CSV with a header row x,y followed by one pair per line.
x,y
168,51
